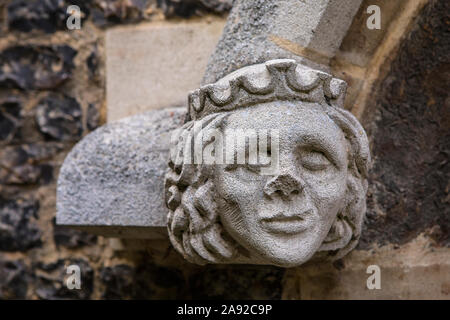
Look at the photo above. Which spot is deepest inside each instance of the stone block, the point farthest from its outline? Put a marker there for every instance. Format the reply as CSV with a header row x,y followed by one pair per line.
x,y
112,181
361,43
307,31
154,66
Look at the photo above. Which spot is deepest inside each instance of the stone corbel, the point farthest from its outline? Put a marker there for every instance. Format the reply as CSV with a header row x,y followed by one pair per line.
x,y
269,76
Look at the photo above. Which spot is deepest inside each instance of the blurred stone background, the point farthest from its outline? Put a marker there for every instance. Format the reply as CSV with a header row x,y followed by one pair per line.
x,y
53,85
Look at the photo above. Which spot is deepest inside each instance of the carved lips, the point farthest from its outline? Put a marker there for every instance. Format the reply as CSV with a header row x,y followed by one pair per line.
x,y
288,224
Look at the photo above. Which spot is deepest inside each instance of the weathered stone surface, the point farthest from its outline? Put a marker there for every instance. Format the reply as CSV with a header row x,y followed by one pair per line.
x,y
307,200
142,282
260,30
409,124
155,66
35,67
18,228
360,43
59,117
13,280
50,278
114,177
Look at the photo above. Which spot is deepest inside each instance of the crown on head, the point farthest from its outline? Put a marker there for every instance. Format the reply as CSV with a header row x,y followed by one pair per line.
x,y
281,79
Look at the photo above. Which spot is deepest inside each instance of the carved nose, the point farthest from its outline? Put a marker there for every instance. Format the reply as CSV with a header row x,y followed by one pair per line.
x,y
284,185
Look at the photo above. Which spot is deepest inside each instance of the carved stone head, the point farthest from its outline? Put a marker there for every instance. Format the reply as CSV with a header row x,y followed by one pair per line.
x,y
268,169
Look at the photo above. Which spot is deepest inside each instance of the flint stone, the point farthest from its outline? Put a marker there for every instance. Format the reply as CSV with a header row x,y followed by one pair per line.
x,y
28,163
49,275
224,215
145,281
188,8
13,280
71,238
18,228
59,117
112,182
36,67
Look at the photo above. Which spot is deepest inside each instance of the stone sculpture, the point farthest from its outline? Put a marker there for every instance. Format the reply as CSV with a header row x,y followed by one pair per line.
x,y
298,195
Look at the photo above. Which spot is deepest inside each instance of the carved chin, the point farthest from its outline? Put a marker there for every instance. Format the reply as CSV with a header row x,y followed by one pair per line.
x,y
287,252
281,242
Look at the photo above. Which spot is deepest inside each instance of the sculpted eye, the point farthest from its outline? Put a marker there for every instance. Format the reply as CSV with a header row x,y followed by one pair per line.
x,y
315,161
248,167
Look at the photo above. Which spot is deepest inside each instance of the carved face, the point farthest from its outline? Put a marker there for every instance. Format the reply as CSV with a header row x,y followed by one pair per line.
x,y
282,219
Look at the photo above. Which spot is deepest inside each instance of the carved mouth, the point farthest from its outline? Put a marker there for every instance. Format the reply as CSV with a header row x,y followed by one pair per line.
x,y
281,223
